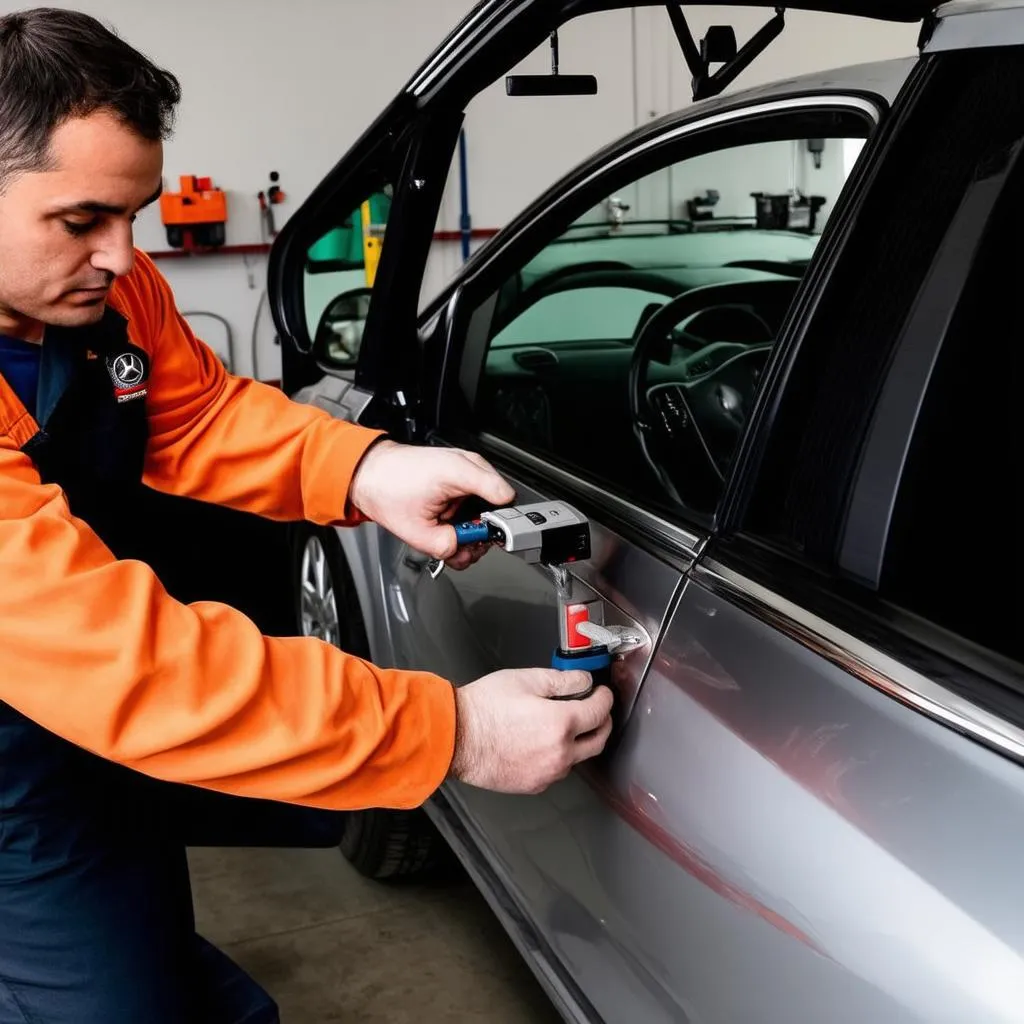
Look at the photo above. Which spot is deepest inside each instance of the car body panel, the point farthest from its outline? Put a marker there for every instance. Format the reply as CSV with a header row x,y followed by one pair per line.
x,y
774,834
546,853
966,25
500,614
808,842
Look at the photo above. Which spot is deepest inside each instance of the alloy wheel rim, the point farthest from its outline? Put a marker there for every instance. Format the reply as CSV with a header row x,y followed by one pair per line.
x,y
318,610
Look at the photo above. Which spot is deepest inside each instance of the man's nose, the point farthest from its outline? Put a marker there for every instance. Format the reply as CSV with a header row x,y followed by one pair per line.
x,y
115,253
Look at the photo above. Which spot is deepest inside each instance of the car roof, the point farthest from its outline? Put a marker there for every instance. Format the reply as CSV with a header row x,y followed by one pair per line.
x,y
882,78
955,7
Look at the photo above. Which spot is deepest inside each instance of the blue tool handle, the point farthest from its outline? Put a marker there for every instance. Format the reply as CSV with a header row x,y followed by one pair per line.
x,y
597,661
472,533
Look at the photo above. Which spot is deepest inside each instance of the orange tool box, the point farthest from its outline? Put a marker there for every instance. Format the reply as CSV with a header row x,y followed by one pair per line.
x,y
196,215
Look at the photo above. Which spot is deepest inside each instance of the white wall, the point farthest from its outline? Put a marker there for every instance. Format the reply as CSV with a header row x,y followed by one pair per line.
x,y
288,87
267,86
517,147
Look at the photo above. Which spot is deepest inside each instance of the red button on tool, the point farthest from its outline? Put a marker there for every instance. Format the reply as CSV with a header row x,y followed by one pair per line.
x,y
574,615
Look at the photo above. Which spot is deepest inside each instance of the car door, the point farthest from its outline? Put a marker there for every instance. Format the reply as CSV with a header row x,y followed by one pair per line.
x,y
843,702
542,343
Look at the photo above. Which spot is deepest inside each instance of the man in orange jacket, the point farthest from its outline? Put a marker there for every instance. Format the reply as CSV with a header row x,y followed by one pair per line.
x,y
119,705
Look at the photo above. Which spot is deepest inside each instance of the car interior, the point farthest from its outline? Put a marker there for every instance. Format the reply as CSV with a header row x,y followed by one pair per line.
x,y
671,355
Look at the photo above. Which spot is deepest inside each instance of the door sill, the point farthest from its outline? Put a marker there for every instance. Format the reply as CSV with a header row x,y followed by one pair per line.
x,y
564,993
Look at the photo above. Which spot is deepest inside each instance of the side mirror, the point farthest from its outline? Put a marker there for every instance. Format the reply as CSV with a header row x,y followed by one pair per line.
x,y
339,334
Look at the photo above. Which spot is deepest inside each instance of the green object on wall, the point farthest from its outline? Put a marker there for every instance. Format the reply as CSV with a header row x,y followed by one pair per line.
x,y
342,248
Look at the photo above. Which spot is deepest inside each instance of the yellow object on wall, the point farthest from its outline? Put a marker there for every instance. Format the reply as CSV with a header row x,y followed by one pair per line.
x,y
373,238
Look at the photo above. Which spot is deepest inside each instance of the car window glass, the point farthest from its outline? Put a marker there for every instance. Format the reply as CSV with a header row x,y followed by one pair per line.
x,y
579,314
338,280
953,553
631,346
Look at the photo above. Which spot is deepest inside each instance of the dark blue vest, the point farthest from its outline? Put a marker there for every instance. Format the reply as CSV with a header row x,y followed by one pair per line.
x,y
93,446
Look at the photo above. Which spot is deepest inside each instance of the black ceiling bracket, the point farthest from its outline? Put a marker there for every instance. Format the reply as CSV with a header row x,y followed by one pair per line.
x,y
719,47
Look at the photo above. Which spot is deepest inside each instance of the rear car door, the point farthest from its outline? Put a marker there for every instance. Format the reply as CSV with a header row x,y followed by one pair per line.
x,y
842,677
543,342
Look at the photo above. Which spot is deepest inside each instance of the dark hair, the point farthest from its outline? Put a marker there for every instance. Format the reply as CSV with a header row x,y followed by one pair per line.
x,y
56,65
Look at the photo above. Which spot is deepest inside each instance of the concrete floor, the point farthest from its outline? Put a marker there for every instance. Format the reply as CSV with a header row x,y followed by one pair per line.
x,y
331,946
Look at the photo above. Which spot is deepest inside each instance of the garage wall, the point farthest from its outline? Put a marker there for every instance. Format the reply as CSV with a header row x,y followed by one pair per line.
x,y
288,87
267,86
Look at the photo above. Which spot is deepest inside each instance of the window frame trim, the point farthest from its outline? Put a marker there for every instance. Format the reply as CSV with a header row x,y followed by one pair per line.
x,y
873,108
862,660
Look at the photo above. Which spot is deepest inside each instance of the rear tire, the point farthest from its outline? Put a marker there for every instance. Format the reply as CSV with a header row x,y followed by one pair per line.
x,y
379,844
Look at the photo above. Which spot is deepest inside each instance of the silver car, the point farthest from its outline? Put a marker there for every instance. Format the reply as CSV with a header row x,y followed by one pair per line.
x,y
767,345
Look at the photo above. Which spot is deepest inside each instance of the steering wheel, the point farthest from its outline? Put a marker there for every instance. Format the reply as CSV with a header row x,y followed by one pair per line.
x,y
688,426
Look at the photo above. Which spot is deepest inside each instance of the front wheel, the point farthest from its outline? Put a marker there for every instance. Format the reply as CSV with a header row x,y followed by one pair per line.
x,y
379,844
322,595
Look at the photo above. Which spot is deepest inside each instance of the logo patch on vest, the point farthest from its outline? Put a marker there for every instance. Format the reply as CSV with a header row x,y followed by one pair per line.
x,y
129,371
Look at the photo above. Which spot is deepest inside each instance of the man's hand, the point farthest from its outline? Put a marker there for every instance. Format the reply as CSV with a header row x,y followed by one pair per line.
x,y
413,492
513,738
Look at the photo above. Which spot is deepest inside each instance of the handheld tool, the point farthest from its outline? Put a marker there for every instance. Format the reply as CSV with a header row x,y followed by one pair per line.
x,y
550,533
554,535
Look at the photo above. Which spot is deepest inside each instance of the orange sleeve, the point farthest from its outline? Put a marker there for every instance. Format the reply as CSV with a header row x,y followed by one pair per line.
x,y
95,650
229,440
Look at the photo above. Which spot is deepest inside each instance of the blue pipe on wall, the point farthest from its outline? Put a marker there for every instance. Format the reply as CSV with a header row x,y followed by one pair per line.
x,y
465,221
